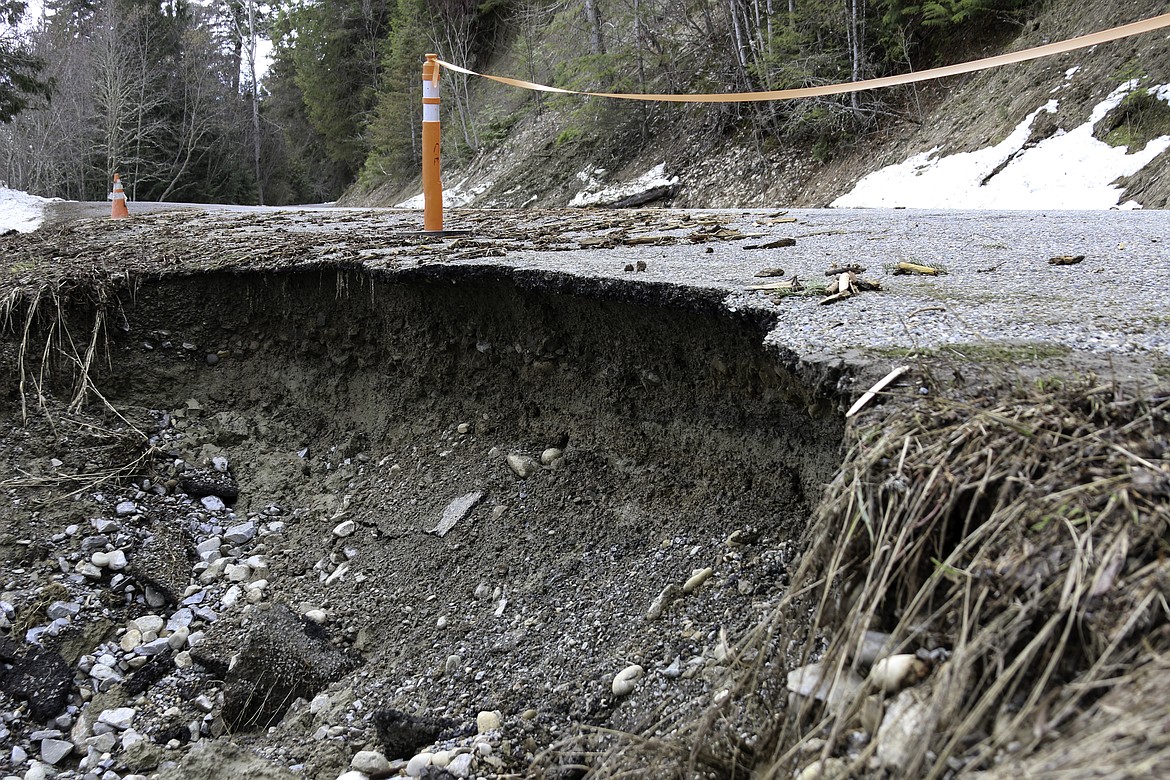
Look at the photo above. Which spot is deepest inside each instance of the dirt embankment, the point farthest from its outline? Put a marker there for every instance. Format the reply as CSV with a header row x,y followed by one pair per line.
x,y
306,430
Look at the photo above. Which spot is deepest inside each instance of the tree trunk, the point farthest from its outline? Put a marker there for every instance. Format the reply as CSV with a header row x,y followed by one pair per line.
x,y
596,39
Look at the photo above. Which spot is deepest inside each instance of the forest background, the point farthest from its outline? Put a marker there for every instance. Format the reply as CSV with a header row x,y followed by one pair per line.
x,y
175,96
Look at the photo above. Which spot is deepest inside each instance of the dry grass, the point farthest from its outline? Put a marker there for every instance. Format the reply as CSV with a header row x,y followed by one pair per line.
x,y
1020,545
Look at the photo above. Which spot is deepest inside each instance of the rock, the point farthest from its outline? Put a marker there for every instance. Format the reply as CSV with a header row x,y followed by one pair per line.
x,y
456,511
279,659
837,693
551,456
53,750
237,572
625,681
441,758
344,528
153,647
125,508
117,560
895,672
36,772
460,766
369,761
240,534
130,640
209,482
403,734
88,570
418,764
353,774
905,726
697,578
522,465
103,743
149,624
220,464
178,638
828,769
119,717
213,503
659,605
40,677
487,720
101,559
318,616
62,609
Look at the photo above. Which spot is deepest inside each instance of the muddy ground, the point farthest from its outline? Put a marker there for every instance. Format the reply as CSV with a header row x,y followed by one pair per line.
x,y
289,505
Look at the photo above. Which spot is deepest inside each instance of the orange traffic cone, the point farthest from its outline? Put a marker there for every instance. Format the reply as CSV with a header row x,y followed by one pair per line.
x,y
118,208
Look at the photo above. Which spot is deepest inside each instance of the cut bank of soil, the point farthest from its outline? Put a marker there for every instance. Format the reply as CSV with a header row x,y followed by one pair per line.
x,y
336,397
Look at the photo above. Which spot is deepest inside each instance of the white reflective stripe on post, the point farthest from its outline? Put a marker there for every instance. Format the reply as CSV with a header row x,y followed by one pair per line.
x,y
430,89
430,113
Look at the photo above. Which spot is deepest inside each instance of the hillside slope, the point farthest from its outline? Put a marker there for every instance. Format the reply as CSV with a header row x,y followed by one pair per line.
x,y
539,160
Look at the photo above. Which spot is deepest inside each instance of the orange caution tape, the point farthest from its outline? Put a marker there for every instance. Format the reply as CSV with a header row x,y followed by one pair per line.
x,y
1083,42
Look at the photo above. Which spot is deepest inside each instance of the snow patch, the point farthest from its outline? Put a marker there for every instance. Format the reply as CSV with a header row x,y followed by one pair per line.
x,y
596,192
20,211
1068,170
453,197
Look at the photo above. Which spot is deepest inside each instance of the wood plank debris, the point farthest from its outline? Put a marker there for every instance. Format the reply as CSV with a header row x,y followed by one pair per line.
x,y
915,268
1066,259
777,244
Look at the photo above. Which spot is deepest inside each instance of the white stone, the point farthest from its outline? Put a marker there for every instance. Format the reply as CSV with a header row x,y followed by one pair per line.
x,y
231,596
487,720
522,465
154,599
697,578
211,545
178,638
130,640
441,758
460,766
416,765
213,503
239,534
149,623
625,681
53,750
369,761
551,456
125,508
184,660
344,528
102,743
36,772
353,774
318,616
337,574
220,464
237,572
131,738
103,672
119,717
100,559
117,560
255,585
88,570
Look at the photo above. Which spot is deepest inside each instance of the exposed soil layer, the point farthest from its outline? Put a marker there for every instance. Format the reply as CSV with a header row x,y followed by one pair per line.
x,y
587,446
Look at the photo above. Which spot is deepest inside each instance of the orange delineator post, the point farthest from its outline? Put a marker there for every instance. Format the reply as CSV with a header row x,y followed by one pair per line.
x,y
118,208
432,186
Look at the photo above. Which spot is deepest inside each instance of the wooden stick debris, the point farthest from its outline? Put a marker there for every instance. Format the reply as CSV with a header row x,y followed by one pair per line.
x,y
872,392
